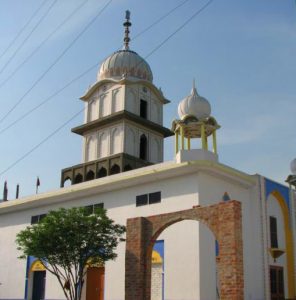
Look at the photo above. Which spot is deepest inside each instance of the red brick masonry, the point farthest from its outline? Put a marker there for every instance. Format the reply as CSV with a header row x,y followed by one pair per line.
x,y
225,221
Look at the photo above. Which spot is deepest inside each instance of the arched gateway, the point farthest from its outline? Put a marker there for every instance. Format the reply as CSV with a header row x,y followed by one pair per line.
x,y
224,220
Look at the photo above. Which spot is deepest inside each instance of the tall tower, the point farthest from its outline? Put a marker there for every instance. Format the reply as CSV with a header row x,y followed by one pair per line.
x,y
123,128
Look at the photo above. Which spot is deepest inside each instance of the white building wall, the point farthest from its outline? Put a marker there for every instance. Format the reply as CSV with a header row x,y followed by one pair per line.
x,y
186,249
120,205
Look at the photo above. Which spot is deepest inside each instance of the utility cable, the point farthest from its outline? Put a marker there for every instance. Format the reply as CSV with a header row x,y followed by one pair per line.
x,y
23,116
80,111
28,36
159,20
23,28
85,72
41,143
43,42
56,61
180,28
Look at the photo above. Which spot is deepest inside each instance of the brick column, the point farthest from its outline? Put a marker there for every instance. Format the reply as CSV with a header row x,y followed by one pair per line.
x,y
138,260
230,269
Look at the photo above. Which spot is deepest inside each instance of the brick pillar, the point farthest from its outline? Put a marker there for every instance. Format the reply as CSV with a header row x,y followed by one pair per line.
x,y
138,259
230,269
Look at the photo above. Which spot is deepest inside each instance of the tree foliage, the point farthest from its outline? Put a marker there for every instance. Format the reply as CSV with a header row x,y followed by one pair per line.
x,y
67,240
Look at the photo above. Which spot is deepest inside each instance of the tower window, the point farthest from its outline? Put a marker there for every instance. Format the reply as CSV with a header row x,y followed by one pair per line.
x,y
143,109
273,232
143,147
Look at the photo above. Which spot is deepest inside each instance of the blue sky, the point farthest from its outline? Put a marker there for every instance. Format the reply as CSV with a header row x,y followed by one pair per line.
x,y
241,53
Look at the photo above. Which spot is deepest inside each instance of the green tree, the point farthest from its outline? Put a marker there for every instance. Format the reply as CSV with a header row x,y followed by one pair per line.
x,y
66,241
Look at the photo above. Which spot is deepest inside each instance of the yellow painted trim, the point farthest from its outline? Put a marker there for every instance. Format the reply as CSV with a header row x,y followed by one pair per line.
x,y
37,265
182,138
215,142
289,243
188,143
176,142
203,137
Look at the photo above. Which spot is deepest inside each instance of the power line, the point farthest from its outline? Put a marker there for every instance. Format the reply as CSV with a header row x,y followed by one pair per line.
x,y
41,143
80,111
85,72
160,19
180,28
28,36
23,28
55,61
48,98
43,42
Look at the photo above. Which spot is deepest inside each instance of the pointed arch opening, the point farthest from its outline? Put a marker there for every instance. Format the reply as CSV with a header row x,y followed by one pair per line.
x,y
67,182
78,178
102,172
90,175
115,169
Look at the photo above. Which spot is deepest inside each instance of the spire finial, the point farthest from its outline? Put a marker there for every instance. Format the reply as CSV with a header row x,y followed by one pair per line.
x,y
127,24
193,91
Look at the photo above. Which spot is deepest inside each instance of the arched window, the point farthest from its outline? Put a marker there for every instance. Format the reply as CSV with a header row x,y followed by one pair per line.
x,y
78,178
114,170
127,168
102,173
90,175
67,182
143,147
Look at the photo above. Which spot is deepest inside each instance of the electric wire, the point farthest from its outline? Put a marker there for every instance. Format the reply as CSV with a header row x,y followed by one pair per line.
x,y
56,61
42,142
28,36
86,71
160,19
83,109
22,29
180,28
43,42
23,116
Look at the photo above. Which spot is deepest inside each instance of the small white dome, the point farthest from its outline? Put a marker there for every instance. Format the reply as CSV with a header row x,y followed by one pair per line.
x,y
125,62
293,166
194,105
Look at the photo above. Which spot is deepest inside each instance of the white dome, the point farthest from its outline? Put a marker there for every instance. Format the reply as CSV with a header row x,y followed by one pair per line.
x,y
125,62
194,105
293,166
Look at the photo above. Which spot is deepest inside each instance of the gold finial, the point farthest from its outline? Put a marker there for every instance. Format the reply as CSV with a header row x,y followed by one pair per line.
x,y
127,24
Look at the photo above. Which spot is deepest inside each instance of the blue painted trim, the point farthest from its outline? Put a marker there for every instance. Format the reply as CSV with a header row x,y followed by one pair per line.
x,y
216,247
271,186
27,278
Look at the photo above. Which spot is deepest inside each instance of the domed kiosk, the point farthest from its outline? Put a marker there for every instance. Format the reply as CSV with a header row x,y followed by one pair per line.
x,y
195,122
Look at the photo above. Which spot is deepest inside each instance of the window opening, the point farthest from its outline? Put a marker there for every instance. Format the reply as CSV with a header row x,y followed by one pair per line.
x,y
102,173
143,147
114,170
154,197
142,200
273,232
143,109
90,175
